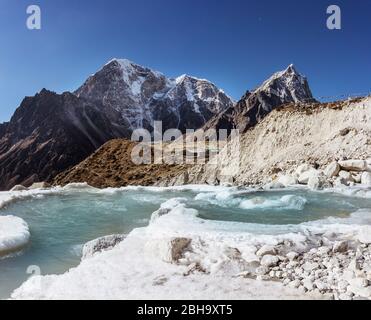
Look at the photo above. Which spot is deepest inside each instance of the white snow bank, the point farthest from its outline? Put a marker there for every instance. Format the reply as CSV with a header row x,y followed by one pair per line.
x,y
14,234
135,269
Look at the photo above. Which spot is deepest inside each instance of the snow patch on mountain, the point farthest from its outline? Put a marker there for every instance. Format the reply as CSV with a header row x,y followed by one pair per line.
x,y
142,96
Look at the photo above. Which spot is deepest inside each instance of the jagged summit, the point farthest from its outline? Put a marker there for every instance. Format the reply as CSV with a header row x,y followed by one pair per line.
x,y
289,85
142,96
282,87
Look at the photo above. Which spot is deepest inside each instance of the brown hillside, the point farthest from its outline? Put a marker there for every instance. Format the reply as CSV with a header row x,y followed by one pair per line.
x,y
111,166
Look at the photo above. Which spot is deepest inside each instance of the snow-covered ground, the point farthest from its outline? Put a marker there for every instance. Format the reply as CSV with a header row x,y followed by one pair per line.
x,y
181,256
139,268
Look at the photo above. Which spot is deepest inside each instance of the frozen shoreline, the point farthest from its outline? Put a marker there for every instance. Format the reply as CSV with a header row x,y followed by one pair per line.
x,y
14,234
220,260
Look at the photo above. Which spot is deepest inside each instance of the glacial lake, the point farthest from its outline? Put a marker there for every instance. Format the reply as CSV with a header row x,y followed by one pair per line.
x,y
61,222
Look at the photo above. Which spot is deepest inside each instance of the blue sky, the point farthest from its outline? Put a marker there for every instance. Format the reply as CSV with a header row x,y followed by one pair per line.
x,y
236,43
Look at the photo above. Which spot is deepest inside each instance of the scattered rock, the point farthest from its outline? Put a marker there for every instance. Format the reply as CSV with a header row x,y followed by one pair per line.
x,y
364,292
353,165
366,178
344,132
262,270
19,187
269,261
323,250
359,282
340,182
273,185
101,244
316,182
160,281
310,266
357,177
266,249
345,296
304,177
39,185
354,265
287,180
340,246
292,255
196,267
364,235
332,170
169,250
303,168
321,286
294,284
346,176
308,284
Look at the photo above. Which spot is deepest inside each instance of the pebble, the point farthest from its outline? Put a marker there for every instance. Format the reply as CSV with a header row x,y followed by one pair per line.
x,y
292,255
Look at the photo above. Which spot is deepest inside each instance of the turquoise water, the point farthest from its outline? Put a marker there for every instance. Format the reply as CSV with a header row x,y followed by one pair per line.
x,y
61,223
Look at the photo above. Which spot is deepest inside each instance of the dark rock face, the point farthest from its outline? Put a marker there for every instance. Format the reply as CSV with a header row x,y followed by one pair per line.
x,y
283,87
142,96
49,133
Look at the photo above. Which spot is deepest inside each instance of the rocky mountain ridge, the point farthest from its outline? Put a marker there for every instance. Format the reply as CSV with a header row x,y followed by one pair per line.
x,y
142,96
49,133
287,86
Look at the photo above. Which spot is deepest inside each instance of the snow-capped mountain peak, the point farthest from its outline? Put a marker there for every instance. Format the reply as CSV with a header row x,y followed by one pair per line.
x,y
142,96
288,85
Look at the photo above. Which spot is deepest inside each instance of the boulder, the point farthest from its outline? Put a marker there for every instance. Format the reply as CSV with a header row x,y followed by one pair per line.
x,y
364,235
316,182
287,180
364,292
308,284
39,185
266,249
305,176
346,176
294,284
340,182
366,178
357,177
18,187
269,261
169,249
332,170
340,246
310,266
101,244
273,185
323,251
353,165
262,270
292,256
359,282
303,168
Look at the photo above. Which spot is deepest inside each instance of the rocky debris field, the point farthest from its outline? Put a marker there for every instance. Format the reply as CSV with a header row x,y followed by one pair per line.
x,y
336,174
341,271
